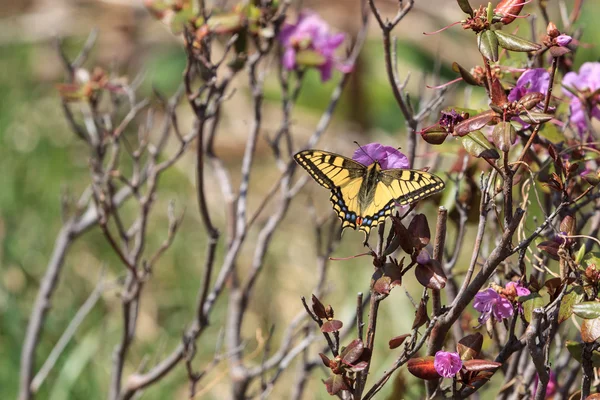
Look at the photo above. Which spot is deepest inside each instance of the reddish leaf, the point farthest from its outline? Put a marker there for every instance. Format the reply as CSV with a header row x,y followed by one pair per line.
x,y
481,365
331,326
551,248
431,275
406,241
568,224
335,383
318,307
530,100
421,316
507,10
326,360
352,352
359,366
469,346
504,135
419,228
474,123
498,95
557,51
422,367
398,340
590,330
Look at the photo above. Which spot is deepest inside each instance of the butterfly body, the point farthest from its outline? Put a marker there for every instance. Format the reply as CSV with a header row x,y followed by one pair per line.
x,y
364,196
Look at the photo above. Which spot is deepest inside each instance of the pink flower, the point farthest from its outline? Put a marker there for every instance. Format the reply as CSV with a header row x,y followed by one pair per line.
x,y
387,156
563,40
489,302
311,33
447,364
583,85
552,387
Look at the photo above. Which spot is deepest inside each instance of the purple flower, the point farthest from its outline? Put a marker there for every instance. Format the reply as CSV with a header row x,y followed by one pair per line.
x,y
447,364
532,80
563,40
311,33
387,156
488,302
586,82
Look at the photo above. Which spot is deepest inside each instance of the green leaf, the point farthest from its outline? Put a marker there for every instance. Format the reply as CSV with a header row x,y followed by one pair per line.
x,y
515,43
531,302
592,260
504,135
181,18
576,350
550,132
487,42
568,302
587,309
535,117
580,255
478,146
309,58
465,74
465,6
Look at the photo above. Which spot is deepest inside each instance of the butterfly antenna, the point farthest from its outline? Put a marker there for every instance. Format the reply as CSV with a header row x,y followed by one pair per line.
x,y
364,151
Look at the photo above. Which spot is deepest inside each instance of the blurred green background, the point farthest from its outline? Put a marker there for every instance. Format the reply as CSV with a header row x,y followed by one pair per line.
x,y
42,160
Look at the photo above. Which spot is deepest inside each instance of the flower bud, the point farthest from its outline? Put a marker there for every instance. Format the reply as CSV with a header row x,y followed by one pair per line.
x,y
563,40
552,30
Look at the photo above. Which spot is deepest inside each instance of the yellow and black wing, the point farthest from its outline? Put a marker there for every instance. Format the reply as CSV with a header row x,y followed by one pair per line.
x,y
341,175
364,196
408,185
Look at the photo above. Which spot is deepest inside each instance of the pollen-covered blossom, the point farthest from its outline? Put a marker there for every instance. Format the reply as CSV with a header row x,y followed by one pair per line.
x,y
447,364
311,33
583,85
387,156
530,81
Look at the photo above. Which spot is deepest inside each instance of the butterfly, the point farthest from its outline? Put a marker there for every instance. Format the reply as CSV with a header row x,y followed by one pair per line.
x,y
364,196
